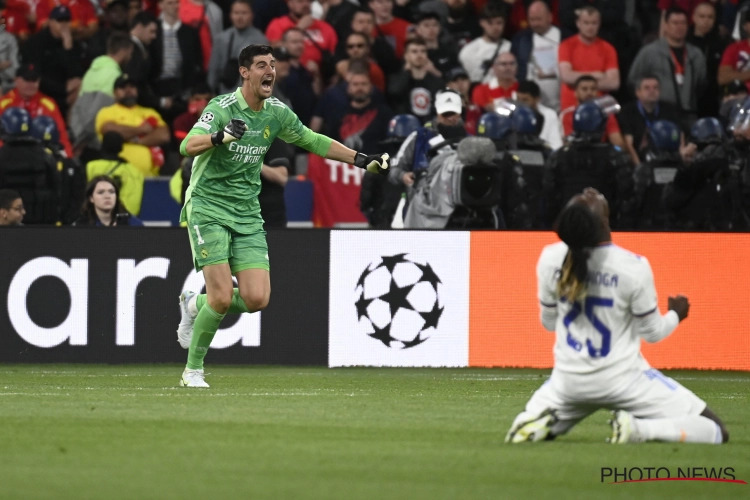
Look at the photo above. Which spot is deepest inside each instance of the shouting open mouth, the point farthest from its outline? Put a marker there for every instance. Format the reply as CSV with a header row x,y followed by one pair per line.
x,y
267,83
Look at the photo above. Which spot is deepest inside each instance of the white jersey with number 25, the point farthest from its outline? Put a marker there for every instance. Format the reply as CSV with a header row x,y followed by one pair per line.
x,y
595,335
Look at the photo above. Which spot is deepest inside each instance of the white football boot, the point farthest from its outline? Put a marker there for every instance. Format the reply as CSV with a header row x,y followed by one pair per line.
x,y
185,329
533,430
193,378
623,428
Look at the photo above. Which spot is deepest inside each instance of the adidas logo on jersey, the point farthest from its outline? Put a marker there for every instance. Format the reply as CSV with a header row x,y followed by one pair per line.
x,y
227,100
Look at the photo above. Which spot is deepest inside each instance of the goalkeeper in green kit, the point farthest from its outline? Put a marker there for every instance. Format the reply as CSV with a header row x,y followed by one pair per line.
x,y
229,143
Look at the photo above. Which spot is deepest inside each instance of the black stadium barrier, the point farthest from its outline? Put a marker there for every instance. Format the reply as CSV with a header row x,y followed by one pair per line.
x,y
94,295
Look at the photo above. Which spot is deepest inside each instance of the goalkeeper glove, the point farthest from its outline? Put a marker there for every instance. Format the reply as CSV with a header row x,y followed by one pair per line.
x,y
232,132
375,164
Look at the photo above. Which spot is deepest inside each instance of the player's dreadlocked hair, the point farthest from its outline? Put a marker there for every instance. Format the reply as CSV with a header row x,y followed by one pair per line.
x,y
578,228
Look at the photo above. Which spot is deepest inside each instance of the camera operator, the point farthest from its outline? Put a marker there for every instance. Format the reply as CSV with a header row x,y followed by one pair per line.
x,y
707,193
587,161
26,167
461,189
412,160
661,162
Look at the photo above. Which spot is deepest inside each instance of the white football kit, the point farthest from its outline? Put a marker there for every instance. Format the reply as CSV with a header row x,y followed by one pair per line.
x,y
598,363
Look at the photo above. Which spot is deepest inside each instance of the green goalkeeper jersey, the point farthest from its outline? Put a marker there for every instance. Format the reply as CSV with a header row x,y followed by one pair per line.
x,y
225,181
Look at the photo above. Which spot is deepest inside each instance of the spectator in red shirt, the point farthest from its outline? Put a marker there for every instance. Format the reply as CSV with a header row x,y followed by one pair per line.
x,y
587,54
198,101
735,63
19,15
502,86
206,17
393,29
358,47
83,20
26,95
586,90
319,35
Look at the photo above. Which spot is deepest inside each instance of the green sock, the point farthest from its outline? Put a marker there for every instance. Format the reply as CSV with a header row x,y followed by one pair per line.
x,y
238,305
206,325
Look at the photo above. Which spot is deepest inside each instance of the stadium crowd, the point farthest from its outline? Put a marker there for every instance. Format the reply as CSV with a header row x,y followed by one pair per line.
x,y
647,100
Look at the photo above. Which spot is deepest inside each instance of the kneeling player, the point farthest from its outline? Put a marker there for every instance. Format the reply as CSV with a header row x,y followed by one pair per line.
x,y
600,300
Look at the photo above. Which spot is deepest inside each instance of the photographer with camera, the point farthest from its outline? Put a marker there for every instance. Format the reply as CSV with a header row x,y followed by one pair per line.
x,y
412,159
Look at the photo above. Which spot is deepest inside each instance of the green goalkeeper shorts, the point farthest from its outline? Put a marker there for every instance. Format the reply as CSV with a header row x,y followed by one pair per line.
x,y
214,243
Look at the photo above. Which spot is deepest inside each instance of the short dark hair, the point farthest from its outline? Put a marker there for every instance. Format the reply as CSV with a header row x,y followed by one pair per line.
x,y
118,41
491,12
587,9
639,81
423,16
7,197
201,88
584,78
247,55
529,87
249,3
143,18
674,11
365,36
417,40
291,30
358,67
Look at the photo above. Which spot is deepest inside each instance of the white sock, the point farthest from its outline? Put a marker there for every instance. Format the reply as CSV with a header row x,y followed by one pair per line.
x,y
690,429
192,305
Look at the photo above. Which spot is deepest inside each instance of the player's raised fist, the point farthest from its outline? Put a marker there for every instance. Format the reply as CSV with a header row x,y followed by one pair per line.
x,y
234,131
680,305
375,164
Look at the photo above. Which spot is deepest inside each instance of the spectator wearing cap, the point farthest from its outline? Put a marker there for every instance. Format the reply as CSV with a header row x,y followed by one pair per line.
x,y
478,55
412,156
679,66
302,85
283,67
83,20
129,178
735,63
413,89
358,47
142,128
319,36
536,50
176,56
530,94
586,54
441,48
115,20
57,57
26,95
8,59
11,208
704,34
502,86
458,80
223,70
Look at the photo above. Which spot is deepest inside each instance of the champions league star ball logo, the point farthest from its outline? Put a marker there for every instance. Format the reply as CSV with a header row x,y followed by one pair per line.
x,y
399,301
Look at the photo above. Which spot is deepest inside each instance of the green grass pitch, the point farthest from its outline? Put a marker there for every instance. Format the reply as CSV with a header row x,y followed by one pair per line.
x,y
128,432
